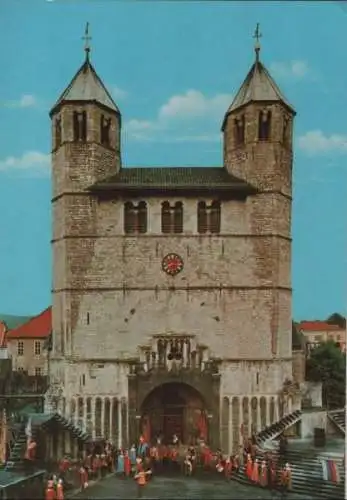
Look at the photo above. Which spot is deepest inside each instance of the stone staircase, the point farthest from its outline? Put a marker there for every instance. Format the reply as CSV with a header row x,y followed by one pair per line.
x,y
338,417
307,475
18,450
273,431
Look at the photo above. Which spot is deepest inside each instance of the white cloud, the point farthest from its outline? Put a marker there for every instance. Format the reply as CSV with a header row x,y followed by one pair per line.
x,y
118,93
291,70
182,108
316,142
141,130
31,162
25,101
194,104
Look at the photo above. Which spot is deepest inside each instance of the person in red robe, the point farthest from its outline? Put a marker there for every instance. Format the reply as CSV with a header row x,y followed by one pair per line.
x,y
30,452
228,468
146,429
50,492
60,490
127,464
255,471
97,466
263,474
207,458
139,464
64,466
83,478
88,461
174,458
249,467
202,426
272,477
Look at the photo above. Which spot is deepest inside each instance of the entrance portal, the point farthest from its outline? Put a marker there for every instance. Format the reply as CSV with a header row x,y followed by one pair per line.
x,y
174,408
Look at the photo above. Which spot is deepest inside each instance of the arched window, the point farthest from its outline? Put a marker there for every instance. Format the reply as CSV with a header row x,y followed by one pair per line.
x,y
264,125
57,132
135,217
239,130
165,217
202,217
215,217
105,127
178,217
142,217
80,126
209,217
129,217
172,217
285,131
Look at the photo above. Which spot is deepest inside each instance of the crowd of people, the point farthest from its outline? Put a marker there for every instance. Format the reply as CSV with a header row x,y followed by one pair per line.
x,y
144,460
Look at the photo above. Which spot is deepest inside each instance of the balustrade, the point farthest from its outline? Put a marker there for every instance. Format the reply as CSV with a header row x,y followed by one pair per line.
x,y
172,354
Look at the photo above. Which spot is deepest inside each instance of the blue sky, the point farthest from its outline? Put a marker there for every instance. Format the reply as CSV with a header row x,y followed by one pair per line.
x,y
172,68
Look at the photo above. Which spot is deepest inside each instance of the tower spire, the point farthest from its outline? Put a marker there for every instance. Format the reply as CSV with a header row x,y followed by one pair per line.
x,y
257,35
87,39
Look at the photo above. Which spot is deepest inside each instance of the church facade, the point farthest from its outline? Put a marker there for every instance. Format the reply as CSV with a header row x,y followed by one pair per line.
x,y
172,286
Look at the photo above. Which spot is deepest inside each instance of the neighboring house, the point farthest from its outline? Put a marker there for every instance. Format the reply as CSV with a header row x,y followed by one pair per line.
x,y
9,322
27,342
316,332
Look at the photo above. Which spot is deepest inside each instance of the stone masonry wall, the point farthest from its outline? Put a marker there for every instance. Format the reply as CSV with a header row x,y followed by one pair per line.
x,y
215,293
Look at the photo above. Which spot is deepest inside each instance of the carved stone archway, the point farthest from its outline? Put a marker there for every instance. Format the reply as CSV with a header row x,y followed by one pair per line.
x,y
193,369
174,408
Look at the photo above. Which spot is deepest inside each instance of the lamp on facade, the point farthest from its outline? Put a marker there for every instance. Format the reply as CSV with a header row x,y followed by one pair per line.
x,y
209,416
138,417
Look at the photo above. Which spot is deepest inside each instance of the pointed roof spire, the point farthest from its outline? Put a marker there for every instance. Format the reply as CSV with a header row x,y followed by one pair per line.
x,y
258,86
87,39
86,85
257,35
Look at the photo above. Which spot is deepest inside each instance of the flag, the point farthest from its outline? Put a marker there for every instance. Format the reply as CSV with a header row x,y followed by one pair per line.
x,y
28,432
330,471
325,470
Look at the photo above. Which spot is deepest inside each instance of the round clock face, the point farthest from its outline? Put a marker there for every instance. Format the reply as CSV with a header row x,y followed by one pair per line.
x,y
172,264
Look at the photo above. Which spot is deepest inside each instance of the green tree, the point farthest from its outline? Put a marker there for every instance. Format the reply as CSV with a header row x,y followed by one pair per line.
x,y
327,364
337,319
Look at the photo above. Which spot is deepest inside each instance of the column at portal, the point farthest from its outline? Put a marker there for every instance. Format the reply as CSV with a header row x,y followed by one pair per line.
x,y
93,416
102,417
258,415
85,414
241,427
277,409
290,405
111,420
120,425
185,354
230,426
73,410
250,420
268,404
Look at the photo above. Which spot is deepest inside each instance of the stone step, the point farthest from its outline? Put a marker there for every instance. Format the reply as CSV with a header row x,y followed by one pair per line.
x,y
312,488
274,430
307,475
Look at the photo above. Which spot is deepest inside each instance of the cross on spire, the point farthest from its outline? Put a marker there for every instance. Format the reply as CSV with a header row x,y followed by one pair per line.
x,y
87,39
257,36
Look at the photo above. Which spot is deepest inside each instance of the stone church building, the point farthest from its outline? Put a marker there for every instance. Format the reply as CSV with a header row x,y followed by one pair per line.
x,y
172,286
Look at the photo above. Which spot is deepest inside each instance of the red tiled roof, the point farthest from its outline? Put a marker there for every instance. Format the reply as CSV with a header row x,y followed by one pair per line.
x,y
39,327
317,326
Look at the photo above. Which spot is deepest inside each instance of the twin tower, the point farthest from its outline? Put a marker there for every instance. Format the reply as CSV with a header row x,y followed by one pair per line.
x,y
113,299
257,132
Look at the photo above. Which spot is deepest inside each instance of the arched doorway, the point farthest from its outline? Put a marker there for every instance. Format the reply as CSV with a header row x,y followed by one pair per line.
x,y
174,408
